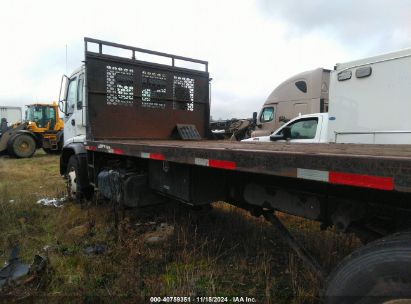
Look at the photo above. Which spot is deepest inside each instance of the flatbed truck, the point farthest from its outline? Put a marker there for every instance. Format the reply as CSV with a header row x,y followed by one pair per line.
x,y
140,130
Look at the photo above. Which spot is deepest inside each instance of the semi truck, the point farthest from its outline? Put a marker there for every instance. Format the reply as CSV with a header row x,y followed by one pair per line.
x,y
137,130
304,93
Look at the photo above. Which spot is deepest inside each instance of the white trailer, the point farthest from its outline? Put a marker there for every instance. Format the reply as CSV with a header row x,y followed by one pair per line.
x,y
11,114
370,100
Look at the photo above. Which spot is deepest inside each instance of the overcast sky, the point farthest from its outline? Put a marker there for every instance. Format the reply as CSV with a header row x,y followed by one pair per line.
x,y
251,46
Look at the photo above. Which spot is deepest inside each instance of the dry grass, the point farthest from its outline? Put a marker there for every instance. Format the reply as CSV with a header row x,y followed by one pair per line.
x,y
222,252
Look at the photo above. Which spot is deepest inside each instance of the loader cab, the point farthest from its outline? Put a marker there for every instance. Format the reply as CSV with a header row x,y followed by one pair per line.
x,y
44,116
72,104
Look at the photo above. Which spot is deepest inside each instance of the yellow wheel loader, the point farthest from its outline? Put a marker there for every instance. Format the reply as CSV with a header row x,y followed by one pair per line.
x,y
42,128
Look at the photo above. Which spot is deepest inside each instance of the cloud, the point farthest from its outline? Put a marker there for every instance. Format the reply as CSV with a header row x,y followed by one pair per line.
x,y
251,46
373,24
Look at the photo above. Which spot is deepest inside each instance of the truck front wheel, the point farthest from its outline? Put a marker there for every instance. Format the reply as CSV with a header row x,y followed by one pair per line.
x,y
72,178
22,146
75,189
380,272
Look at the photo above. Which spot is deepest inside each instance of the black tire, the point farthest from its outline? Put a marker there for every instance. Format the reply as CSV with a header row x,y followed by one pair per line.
x,y
60,144
22,146
379,272
73,181
75,189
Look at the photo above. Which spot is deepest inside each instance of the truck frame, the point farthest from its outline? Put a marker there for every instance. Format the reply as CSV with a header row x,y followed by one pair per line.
x,y
147,130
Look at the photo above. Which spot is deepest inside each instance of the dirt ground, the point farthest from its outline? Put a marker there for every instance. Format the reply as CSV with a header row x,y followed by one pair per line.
x,y
97,253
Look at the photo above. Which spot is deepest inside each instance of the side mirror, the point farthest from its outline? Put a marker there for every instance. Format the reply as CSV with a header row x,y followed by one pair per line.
x,y
61,106
64,81
255,118
286,134
283,119
275,137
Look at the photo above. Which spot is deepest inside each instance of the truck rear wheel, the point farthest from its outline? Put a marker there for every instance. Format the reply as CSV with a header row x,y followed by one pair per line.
x,y
380,272
22,146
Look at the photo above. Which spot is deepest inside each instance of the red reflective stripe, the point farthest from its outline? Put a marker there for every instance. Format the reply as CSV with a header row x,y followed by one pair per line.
x,y
367,181
157,156
118,151
224,164
91,148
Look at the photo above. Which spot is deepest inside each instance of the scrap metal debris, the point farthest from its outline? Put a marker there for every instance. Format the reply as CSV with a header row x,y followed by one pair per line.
x,y
95,249
54,202
162,232
13,269
138,224
37,267
233,129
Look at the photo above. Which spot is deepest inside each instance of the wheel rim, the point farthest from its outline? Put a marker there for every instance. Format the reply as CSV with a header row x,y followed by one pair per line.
x,y
71,183
24,146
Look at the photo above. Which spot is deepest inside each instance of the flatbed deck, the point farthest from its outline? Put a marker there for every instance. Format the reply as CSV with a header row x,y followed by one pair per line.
x,y
385,167
146,100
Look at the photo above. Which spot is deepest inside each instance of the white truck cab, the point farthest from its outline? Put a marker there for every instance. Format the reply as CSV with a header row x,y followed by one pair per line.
x,y
310,128
72,102
73,105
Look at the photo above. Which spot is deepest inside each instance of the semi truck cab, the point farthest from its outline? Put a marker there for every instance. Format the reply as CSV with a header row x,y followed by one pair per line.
x,y
304,93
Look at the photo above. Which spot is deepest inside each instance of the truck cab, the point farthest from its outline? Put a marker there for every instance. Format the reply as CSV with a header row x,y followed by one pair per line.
x,y
72,104
310,128
304,93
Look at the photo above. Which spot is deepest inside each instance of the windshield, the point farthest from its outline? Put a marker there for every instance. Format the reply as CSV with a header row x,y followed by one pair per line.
x,y
41,115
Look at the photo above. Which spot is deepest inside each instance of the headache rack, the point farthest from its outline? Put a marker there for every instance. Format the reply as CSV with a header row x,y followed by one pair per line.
x,y
134,93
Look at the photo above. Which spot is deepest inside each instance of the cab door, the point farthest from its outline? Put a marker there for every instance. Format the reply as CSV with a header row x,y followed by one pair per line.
x,y
304,130
74,124
265,121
